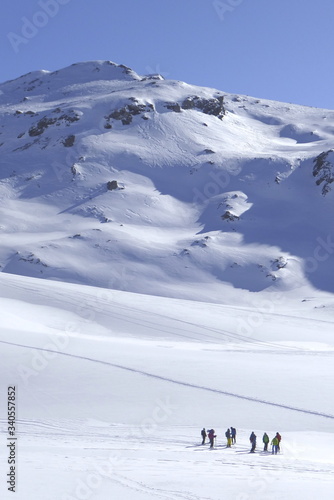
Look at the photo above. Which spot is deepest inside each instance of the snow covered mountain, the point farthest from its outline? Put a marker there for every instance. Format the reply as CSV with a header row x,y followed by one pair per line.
x,y
162,187
216,209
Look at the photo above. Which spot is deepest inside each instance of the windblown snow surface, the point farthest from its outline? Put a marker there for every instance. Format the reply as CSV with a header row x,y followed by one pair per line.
x,y
196,291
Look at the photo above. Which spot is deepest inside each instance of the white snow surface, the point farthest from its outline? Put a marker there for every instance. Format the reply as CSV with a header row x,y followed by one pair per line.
x,y
204,203
198,293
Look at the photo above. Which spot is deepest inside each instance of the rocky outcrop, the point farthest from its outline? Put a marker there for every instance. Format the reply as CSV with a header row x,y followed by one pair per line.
x,y
45,122
127,112
229,216
323,170
18,112
214,106
173,106
31,258
279,263
111,185
153,77
69,141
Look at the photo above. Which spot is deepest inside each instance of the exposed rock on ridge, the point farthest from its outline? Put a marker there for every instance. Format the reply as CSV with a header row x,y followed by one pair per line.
x,y
323,170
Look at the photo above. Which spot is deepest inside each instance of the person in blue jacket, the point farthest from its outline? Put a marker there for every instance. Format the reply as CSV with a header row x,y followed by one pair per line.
x,y
252,439
233,435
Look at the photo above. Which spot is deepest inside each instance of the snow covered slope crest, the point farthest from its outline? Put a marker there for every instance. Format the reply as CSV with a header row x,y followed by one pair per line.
x,y
148,185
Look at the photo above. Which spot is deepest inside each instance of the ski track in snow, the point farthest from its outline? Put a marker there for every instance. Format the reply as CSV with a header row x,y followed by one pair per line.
x,y
173,381
149,490
221,332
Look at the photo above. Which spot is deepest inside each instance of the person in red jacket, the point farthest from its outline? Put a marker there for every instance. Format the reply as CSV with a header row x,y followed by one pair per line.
x,y
279,437
211,436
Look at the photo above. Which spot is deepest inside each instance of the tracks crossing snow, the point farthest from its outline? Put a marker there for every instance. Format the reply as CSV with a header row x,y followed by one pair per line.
x,y
177,382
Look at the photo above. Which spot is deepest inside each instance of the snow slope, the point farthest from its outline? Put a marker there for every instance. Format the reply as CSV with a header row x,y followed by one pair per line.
x,y
213,189
197,291
113,389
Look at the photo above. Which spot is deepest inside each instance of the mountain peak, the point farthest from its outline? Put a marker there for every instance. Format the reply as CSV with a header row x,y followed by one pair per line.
x,y
77,73
159,185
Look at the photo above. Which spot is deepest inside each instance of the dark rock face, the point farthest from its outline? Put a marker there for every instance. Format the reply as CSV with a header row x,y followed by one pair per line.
x,y
156,76
213,106
126,113
41,126
69,141
46,121
126,70
323,170
174,106
280,263
111,185
229,216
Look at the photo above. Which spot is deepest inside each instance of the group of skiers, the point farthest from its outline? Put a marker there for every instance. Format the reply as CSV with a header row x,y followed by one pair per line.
x,y
275,442
210,434
231,437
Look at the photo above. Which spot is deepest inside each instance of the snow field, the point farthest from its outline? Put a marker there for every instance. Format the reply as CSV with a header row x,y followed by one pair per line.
x,y
117,410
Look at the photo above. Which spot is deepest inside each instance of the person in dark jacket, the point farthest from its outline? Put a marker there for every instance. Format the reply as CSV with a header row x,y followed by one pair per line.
x,y
265,440
252,439
203,434
233,435
279,437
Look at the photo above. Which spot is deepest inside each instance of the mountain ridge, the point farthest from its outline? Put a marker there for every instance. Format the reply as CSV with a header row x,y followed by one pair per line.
x,y
212,191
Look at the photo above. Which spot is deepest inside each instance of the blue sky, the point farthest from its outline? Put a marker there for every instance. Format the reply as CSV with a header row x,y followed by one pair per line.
x,y
275,49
